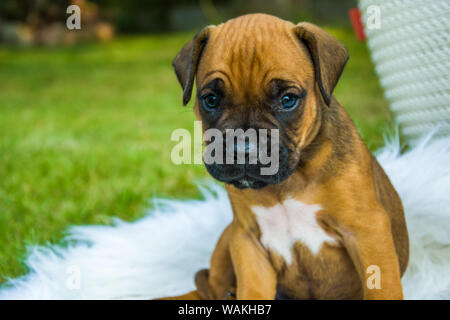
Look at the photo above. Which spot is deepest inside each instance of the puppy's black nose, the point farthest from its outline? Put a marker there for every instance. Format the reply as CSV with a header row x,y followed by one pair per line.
x,y
245,152
242,147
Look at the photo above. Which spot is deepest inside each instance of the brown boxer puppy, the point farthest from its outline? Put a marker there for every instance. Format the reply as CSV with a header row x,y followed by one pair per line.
x,y
328,224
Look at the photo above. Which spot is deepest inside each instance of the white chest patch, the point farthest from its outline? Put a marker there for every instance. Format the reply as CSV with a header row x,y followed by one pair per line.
x,y
284,224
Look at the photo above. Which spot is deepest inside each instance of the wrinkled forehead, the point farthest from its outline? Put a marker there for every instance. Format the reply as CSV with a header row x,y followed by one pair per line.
x,y
248,54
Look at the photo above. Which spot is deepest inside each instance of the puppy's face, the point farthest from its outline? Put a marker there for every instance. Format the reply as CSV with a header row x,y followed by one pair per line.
x,y
256,72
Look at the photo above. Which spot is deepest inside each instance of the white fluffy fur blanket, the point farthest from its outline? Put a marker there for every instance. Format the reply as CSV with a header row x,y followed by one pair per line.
x,y
159,254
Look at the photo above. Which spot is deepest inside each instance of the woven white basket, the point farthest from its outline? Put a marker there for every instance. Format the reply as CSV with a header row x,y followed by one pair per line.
x,y
411,52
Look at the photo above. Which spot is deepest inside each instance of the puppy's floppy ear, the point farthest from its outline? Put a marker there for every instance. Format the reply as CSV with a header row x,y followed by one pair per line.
x,y
328,54
186,62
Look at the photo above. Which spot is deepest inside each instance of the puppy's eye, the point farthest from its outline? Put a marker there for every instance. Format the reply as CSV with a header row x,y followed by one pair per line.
x,y
210,101
289,101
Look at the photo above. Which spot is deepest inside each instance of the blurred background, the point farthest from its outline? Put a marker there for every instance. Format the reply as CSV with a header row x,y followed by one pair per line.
x,y
86,115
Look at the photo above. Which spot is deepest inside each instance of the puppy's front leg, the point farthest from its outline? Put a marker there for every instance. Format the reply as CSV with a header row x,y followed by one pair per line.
x,y
368,239
256,278
216,282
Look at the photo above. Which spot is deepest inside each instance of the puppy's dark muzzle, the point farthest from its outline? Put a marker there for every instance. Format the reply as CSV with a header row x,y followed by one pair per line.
x,y
247,166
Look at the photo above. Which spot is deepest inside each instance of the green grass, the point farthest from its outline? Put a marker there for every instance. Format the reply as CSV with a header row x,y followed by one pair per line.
x,y
85,134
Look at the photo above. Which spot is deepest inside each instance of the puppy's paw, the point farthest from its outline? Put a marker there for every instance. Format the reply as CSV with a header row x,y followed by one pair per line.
x,y
202,284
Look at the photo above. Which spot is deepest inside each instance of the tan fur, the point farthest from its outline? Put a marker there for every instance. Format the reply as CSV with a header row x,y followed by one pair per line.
x,y
360,208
